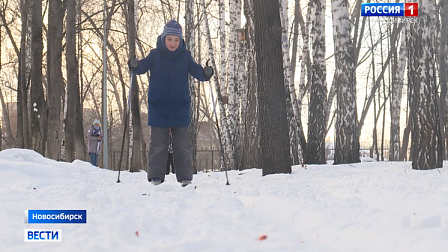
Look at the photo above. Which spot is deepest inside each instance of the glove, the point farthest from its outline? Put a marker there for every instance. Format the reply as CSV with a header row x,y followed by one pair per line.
x,y
132,64
208,71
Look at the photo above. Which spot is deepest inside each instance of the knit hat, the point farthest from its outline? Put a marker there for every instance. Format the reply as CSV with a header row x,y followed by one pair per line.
x,y
172,28
96,121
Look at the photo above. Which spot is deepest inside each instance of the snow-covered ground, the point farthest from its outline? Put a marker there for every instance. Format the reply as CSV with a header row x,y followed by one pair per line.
x,y
370,206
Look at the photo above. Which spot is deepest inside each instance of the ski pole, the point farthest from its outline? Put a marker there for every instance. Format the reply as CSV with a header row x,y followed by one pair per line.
x,y
219,133
126,118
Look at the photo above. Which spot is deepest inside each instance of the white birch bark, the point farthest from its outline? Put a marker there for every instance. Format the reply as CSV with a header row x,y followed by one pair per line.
x,y
232,107
222,37
315,152
305,58
397,86
227,148
426,145
346,127
443,73
291,101
190,41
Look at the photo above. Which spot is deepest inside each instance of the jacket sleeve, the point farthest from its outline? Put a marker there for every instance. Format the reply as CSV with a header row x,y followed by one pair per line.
x,y
89,135
146,64
196,70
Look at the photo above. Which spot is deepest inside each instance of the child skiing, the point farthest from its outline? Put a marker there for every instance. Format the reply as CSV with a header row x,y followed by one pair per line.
x,y
169,102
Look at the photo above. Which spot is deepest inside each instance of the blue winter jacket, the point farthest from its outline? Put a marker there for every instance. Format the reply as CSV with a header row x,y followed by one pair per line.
x,y
169,94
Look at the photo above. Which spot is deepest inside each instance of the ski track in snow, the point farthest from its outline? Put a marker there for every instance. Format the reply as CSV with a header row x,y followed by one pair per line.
x,y
369,206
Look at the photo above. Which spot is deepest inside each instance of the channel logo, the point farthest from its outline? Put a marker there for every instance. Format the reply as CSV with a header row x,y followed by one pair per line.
x,y
389,9
43,235
55,216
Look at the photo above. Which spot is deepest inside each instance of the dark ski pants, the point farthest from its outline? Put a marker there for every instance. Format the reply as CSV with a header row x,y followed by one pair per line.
x,y
158,153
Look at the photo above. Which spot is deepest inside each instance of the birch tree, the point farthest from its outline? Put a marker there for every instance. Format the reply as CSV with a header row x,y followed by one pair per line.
x,y
233,75
315,152
136,158
443,73
274,133
305,70
426,139
289,84
190,45
347,134
226,150
397,87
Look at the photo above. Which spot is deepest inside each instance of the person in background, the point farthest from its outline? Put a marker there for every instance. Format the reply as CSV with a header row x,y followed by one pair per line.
x,y
169,102
94,138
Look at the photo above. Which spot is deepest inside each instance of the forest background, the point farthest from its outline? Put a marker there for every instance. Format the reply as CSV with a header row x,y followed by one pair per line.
x,y
379,82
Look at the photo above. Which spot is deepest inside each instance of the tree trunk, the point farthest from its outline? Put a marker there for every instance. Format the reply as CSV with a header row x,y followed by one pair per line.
x,y
289,84
72,82
305,70
252,139
397,87
233,80
226,147
80,144
55,83
190,43
274,136
136,160
315,152
347,134
39,106
23,134
404,146
443,73
8,137
426,139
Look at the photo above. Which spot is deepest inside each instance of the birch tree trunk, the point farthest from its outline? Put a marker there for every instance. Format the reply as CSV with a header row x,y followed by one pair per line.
x,y
274,133
136,158
72,82
225,138
39,106
241,73
222,40
443,73
397,87
305,69
347,136
315,152
233,75
426,139
289,84
190,43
